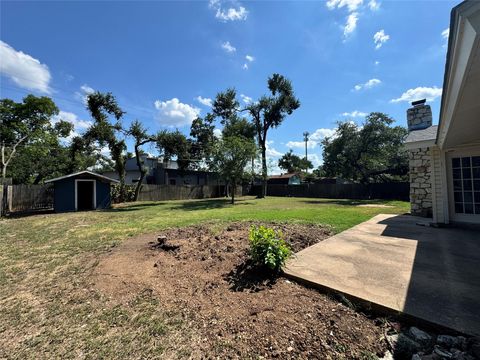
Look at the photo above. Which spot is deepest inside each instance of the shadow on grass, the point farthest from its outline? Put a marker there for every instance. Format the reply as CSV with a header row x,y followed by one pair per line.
x,y
24,214
135,206
248,277
345,202
208,204
189,205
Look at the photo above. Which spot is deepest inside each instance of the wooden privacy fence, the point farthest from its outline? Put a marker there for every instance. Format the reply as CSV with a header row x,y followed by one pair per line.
x,y
387,191
25,198
182,192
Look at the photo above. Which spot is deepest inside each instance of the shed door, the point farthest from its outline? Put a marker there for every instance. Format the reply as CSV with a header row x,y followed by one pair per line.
x,y
85,194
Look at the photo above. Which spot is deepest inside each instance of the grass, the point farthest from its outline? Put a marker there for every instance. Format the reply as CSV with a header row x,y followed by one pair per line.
x,y
48,307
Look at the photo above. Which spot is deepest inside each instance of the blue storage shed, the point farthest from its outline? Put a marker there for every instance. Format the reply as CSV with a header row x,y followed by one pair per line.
x,y
84,190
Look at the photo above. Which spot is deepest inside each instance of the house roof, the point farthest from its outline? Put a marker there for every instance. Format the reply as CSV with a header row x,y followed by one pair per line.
x,y
282,176
427,134
102,177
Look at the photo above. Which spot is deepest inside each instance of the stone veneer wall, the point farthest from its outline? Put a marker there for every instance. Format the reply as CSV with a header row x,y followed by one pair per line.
x,y
420,182
419,117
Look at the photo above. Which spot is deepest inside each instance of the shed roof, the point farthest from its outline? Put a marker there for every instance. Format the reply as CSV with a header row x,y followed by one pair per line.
x,y
282,176
84,172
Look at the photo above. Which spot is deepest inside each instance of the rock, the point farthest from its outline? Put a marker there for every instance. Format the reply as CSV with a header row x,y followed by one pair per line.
x,y
461,343
474,346
419,336
387,356
444,354
290,349
403,347
416,357
446,341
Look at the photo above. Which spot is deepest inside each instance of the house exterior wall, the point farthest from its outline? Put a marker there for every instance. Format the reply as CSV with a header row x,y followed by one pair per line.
x,y
420,181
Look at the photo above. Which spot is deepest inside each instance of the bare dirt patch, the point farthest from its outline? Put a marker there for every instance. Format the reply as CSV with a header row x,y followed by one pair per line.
x,y
233,311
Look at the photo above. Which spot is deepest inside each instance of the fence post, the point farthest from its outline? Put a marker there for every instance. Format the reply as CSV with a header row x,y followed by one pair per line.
x,y
3,199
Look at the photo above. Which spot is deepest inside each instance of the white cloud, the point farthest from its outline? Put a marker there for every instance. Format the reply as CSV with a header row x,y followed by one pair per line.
x,y
204,101
429,93
245,66
229,48
351,24
85,90
72,118
321,133
301,144
352,5
217,133
377,62
314,140
173,113
246,99
380,38
24,70
234,13
249,58
355,113
373,5
270,151
446,33
368,85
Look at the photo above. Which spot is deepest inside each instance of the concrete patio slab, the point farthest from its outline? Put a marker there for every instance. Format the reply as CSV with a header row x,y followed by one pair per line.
x,y
429,273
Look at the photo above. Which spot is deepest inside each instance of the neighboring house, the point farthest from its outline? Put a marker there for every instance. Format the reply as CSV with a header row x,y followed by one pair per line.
x,y
445,159
161,173
284,179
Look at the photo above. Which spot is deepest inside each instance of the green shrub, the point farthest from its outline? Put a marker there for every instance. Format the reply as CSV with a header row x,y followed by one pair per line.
x,y
268,248
128,193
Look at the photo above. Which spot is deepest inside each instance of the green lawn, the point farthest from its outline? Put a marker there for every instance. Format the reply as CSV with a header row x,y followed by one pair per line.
x,y
45,260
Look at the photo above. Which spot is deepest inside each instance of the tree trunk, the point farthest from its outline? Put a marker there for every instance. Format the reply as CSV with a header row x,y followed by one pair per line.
x,y
263,193
142,173
233,189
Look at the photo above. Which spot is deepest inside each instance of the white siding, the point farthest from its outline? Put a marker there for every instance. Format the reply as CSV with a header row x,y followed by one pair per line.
x,y
437,187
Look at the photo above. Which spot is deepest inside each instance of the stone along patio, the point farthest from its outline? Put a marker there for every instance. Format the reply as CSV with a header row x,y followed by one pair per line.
x,y
428,273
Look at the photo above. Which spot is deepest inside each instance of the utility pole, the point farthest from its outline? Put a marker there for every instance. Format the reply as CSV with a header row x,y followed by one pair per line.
x,y
305,138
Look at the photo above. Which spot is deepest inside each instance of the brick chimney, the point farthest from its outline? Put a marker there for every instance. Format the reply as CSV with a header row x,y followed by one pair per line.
x,y
419,116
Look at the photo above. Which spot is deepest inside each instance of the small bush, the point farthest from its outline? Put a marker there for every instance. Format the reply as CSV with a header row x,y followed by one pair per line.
x,y
128,194
267,248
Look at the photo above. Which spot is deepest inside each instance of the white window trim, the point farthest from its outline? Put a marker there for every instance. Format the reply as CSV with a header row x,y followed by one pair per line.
x,y
94,192
453,216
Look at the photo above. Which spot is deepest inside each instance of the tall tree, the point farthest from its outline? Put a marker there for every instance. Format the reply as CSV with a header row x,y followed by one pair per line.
x,y
26,123
174,144
101,105
269,112
141,137
368,153
202,140
292,163
231,156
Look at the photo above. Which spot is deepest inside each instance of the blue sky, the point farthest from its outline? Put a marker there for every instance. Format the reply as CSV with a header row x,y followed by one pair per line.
x,y
164,60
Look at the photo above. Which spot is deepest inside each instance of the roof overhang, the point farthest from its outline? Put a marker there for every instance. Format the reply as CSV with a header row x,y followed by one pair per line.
x,y
460,109
85,172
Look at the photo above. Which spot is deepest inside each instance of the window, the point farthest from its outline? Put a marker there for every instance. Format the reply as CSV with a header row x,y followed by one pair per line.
x,y
466,184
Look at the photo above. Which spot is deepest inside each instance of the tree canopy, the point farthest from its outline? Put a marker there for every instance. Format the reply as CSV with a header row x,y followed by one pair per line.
x,y
292,163
371,152
30,140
